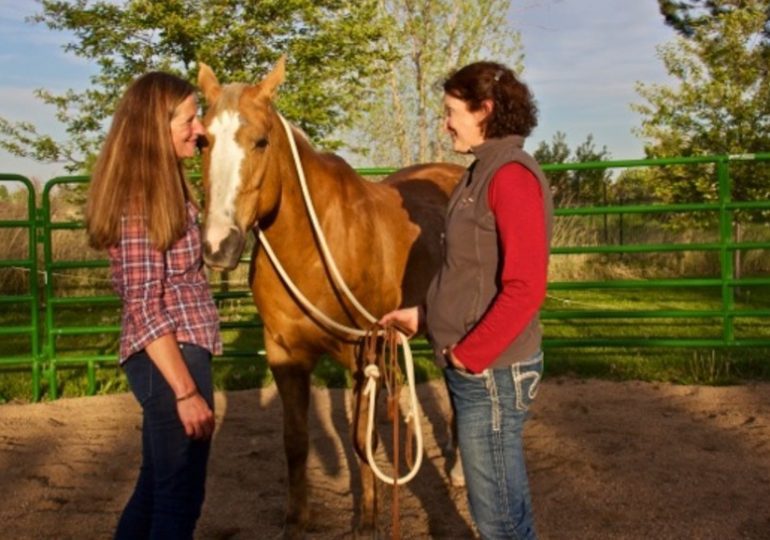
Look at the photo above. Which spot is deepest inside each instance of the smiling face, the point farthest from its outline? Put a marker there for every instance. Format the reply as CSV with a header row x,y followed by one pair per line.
x,y
463,125
186,127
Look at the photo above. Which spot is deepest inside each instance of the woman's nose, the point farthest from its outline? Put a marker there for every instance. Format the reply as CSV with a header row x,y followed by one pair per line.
x,y
198,128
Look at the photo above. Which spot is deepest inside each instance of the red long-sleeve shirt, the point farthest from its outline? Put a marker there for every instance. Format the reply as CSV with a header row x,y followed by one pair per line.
x,y
516,200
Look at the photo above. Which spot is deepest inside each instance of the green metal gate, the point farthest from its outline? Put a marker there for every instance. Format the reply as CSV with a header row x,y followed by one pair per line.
x,y
26,301
726,245
83,314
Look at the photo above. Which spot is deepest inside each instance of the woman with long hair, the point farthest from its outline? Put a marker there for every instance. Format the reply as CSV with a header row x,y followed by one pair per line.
x,y
141,210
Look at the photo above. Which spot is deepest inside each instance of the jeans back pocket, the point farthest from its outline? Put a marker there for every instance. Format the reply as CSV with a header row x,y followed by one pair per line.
x,y
526,380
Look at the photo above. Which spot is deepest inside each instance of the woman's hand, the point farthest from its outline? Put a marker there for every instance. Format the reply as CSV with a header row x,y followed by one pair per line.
x,y
194,413
196,416
452,359
406,320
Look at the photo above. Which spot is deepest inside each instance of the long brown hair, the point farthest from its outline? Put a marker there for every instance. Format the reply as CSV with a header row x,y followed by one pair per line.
x,y
137,171
514,111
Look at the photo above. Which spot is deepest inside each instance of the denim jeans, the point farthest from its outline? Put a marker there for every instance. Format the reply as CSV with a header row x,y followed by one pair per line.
x,y
490,410
169,493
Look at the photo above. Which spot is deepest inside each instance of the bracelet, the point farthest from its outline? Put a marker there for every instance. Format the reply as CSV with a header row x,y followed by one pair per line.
x,y
188,395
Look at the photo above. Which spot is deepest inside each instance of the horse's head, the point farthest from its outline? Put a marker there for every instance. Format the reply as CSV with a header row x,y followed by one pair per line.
x,y
240,136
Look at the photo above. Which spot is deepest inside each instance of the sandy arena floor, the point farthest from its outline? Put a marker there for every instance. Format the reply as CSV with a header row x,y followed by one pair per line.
x,y
607,460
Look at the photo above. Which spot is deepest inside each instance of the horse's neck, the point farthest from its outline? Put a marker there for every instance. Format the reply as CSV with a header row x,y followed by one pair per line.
x,y
332,187
349,210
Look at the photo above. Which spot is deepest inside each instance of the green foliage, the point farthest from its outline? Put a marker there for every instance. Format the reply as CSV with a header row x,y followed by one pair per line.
x,y
332,46
720,103
632,186
686,16
424,42
575,187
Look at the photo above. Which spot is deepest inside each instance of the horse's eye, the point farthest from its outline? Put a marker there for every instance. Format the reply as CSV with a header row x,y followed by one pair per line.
x,y
260,143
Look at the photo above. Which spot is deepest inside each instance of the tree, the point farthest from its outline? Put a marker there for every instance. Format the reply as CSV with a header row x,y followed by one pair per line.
x,y
425,41
720,103
332,46
572,187
687,16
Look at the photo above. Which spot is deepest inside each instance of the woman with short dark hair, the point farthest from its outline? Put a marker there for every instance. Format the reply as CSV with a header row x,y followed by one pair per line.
x,y
481,310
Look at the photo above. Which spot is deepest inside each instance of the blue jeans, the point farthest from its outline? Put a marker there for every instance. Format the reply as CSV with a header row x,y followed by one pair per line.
x,y
169,493
490,409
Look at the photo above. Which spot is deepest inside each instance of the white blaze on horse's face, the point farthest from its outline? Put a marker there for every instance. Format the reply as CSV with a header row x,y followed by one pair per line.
x,y
224,178
234,161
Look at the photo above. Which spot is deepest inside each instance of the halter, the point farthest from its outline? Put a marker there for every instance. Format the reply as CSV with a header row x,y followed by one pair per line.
x,y
371,371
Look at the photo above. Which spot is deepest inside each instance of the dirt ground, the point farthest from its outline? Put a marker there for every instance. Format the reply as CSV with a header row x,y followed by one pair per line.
x,y
607,460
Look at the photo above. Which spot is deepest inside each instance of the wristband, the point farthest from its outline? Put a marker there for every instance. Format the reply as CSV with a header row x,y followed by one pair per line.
x,y
188,395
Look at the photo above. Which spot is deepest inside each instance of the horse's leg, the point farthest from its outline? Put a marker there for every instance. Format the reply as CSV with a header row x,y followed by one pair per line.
x,y
456,473
292,376
367,525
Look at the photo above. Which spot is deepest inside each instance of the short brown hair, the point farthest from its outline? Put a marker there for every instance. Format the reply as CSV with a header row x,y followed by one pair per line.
x,y
137,171
514,111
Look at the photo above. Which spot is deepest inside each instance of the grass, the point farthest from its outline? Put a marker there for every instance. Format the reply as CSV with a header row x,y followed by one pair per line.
x,y
715,366
676,364
248,369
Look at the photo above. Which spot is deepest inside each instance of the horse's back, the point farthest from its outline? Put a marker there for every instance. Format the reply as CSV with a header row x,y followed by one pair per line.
x,y
443,176
424,191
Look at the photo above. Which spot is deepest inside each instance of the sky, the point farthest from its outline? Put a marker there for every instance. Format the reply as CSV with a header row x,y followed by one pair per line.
x,y
582,61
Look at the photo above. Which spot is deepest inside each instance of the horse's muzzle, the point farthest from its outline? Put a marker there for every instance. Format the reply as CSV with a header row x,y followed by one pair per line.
x,y
228,253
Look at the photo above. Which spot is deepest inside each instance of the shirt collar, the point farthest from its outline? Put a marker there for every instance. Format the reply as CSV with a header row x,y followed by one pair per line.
x,y
491,147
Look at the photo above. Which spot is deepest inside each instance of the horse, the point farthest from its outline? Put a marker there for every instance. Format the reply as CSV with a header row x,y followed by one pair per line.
x,y
384,237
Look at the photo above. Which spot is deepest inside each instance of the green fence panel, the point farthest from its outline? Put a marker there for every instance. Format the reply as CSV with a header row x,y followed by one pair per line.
x,y
725,246
16,302
46,356
56,304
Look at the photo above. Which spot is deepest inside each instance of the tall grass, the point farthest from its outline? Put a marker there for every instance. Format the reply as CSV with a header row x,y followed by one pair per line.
x,y
680,365
642,230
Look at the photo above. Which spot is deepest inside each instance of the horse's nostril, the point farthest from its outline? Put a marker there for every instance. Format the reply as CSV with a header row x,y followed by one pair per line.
x,y
225,254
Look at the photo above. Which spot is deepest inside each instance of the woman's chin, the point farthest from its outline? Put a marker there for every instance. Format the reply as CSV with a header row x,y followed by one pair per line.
x,y
461,148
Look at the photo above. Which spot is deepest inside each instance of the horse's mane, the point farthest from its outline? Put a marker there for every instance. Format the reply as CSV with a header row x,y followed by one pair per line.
x,y
334,164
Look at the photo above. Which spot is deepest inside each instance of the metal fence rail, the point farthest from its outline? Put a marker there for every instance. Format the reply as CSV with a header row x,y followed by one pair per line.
x,y
49,359
28,300
727,282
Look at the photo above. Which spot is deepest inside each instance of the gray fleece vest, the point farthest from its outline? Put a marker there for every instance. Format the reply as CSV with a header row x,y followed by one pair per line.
x,y
468,280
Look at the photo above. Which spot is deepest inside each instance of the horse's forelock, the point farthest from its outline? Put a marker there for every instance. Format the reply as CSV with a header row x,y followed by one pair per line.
x,y
230,96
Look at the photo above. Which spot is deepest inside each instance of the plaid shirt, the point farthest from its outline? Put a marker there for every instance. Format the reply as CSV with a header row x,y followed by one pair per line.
x,y
162,292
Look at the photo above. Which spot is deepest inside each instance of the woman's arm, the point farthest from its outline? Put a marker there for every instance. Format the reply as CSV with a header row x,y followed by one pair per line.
x,y
516,199
195,414
143,278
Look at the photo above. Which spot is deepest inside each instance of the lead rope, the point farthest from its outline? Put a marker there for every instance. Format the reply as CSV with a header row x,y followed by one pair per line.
x,y
371,371
385,359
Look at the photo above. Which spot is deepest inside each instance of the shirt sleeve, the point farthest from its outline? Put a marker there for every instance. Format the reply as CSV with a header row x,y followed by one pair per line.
x,y
143,278
516,200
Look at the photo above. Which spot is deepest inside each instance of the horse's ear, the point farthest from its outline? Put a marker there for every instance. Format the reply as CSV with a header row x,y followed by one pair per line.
x,y
274,78
208,83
